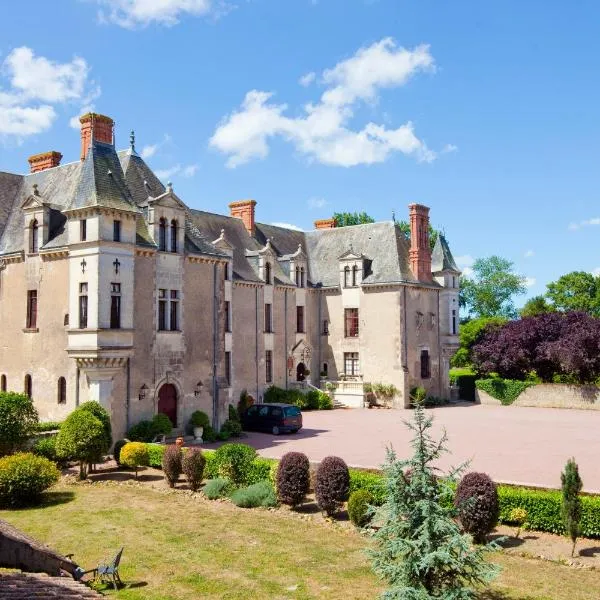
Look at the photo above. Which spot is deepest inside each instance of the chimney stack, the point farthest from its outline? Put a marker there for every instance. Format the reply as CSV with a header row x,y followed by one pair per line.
x,y
244,210
420,254
325,223
43,161
98,127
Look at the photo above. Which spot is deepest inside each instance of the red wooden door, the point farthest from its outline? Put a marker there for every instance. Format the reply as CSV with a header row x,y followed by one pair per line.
x,y
167,402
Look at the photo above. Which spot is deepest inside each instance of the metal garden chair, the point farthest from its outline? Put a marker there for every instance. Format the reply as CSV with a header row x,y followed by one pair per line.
x,y
108,572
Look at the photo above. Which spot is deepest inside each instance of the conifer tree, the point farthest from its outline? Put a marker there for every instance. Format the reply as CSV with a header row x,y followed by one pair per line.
x,y
571,502
419,549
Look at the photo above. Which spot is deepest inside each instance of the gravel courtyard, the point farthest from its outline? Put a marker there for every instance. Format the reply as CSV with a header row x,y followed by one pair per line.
x,y
511,444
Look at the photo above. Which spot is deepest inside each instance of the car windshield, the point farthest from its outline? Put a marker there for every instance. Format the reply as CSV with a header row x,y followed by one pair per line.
x,y
292,411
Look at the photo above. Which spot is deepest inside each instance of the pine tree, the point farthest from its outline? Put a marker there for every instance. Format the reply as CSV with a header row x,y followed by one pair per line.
x,y
571,502
419,549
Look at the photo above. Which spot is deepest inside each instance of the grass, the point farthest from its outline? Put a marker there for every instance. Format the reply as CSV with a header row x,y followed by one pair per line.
x,y
178,547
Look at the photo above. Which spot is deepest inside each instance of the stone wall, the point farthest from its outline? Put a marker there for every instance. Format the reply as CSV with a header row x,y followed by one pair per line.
x,y
552,395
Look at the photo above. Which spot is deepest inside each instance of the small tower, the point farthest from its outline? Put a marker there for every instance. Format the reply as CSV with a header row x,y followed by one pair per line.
x,y
447,274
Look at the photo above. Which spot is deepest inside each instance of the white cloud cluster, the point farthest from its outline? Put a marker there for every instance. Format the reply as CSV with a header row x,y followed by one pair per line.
x,y
32,86
140,13
322,133
187,171
150,150
587,223
465,264
288,226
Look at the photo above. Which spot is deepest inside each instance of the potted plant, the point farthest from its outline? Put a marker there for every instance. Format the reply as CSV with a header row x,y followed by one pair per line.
x,y
199,421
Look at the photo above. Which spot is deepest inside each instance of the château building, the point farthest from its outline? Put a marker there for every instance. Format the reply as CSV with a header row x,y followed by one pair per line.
x,y
113,289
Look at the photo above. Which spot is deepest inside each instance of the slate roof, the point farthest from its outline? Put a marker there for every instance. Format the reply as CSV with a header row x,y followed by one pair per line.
x,y
140,179
441,258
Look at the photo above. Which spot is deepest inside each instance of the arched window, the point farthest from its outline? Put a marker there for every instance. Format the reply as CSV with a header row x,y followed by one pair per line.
x,y
268,273
33,240
301,276
325,371
62,390
354,276
425,365
3,383
28,386
346,277
162,235
297,279
173,235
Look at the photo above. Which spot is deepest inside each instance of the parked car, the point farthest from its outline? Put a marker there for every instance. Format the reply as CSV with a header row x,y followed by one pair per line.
x,y
272,418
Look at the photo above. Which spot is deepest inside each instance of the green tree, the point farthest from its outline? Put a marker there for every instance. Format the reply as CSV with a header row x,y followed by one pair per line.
x,y
470,333
404,227
535,306
81,437
419,549
344,219
490,290
576,291
571,485
18,418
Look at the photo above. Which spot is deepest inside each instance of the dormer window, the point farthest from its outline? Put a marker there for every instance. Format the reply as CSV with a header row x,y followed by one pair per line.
x,y
268,273
302,280
174,235
354,276
346,277
162,235
34,237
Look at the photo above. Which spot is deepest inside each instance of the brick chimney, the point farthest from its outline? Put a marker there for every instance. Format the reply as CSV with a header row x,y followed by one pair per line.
x,y
45,160
420,254
100,126
244,210
325,223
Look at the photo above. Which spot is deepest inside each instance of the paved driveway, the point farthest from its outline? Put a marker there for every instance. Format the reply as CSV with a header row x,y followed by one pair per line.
x,y
511,444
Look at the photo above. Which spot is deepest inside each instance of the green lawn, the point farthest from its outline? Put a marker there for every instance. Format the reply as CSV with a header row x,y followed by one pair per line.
x,y
177,547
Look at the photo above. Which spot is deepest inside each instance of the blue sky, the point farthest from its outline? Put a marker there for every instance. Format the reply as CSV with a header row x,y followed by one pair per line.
x,y
485,111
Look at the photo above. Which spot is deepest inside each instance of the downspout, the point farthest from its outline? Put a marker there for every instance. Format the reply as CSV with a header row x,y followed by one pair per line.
x,y
320,338
128,395
256,342
215,388
77,379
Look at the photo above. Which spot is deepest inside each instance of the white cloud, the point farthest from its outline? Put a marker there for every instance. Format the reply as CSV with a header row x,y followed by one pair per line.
x,y
307,79
465,264
322,132
448,148
529,254
288,226
530,281
596,271
149,150
34,86
187,171
315,203
587,223
140,13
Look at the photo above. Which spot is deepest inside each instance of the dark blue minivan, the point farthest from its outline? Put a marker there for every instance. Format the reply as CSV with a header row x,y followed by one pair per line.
x,y
272,418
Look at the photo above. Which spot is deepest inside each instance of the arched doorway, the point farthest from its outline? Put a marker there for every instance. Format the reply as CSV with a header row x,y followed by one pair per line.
x,y
300,372
167,402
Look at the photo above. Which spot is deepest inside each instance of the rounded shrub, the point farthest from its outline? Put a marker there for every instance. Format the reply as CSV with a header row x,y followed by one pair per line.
x,y
199,419
171,464
117,449
141,432
18,419
155,455
293,478
312,400
161,425
332,484
232,428
359,507
217,488
23,478
135,455
260,470
325,401
234,462
82,437
476,500
193,464
102,415
258,494
46,447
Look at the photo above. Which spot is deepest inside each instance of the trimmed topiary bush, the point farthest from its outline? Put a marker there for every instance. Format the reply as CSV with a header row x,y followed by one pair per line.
x,y
155,455
260,470
82,437
232,428
117,450
505,390
23,478
46,447
293,478
259,494
359,507
141,432
161,425
199,419
102,415
332,484
135,455
217,488
18,419
234,462
476,500
192,465
171,464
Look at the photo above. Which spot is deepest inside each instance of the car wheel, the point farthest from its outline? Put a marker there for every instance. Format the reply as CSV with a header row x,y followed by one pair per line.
x,y
275,430
294,431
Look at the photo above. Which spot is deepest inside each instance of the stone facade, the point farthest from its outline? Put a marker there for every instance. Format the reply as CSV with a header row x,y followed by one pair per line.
x,y
112,285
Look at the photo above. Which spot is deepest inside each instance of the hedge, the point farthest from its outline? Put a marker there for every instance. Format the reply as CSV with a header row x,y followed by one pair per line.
x,y
465,380
505,390
155,455
369,481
